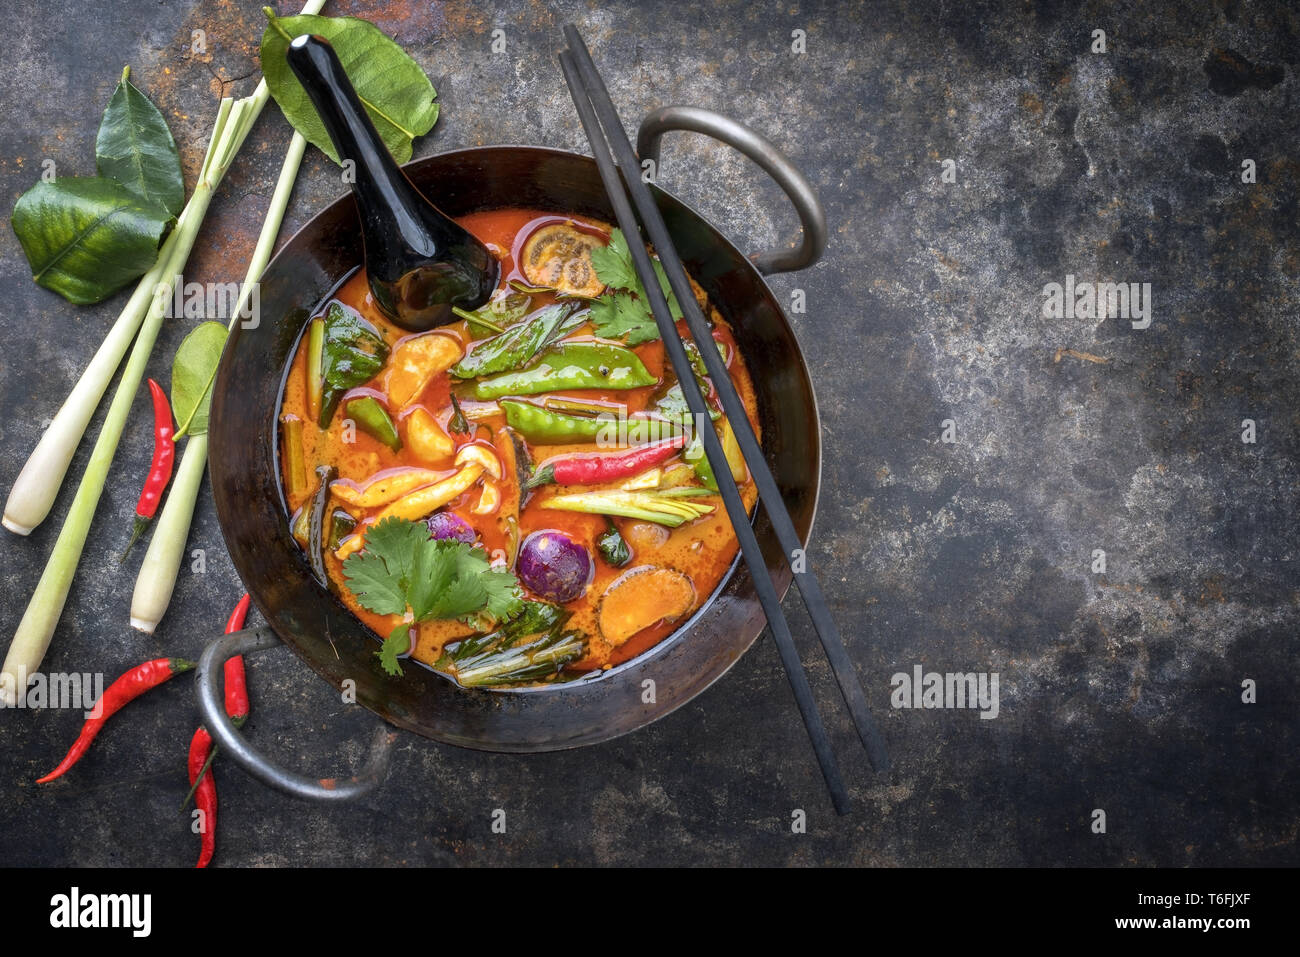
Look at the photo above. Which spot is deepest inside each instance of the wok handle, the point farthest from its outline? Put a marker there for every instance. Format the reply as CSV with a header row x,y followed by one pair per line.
x,y
212,707
763,152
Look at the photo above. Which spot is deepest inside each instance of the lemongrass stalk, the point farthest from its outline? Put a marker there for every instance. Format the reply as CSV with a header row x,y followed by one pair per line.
x,y
162,562
36,629
157,578
37,485
32,638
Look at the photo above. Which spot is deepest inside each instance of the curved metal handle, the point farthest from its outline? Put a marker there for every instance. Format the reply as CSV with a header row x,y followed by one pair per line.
x,y
212,707
763,152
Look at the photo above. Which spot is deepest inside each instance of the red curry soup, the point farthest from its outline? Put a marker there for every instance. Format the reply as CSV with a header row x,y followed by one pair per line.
x,y
521,496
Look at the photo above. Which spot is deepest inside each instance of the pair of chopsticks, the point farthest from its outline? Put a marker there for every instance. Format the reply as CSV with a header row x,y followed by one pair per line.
x,y
596,110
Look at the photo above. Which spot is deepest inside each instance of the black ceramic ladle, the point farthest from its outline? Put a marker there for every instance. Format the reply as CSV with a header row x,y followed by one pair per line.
x,y
419,262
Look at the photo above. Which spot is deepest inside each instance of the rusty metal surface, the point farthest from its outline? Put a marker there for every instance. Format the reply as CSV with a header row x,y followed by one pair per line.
x,y
1119,691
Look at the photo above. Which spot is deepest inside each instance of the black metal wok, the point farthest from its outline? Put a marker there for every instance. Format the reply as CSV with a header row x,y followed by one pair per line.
x,y
304,615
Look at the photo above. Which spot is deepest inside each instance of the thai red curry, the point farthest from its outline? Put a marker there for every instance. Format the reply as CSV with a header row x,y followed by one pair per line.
x,y
521,496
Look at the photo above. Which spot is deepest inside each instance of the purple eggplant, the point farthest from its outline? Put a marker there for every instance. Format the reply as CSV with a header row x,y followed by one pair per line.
x,y
554,566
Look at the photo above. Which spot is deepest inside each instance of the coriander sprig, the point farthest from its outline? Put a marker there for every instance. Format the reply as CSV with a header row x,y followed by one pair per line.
x,y
402,571
622,311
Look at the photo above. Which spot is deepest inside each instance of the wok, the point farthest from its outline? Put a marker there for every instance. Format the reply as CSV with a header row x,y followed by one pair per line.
x,y
301,613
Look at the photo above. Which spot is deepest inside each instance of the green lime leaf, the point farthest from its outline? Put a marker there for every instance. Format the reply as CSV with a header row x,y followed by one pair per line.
x,y
516,346
136,148
392,87
86,237
193,370
353,353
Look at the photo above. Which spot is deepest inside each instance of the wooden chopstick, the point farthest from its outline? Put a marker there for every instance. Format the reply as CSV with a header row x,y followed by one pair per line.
x,y
809,588
750,549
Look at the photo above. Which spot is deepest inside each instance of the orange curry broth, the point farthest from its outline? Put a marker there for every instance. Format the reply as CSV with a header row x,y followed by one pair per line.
x,y
702,549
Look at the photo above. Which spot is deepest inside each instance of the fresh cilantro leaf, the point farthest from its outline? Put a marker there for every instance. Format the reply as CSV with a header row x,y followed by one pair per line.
x,y
397,541
616,315
627,313
430,575
503,595
380,574
397,643
613,263
402,570
463,596
376,588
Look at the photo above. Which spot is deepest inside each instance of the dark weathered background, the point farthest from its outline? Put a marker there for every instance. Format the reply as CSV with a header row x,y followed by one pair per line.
x,y
1119,691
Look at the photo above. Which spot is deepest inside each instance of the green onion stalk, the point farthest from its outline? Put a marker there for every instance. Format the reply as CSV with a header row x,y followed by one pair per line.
x,y
40,479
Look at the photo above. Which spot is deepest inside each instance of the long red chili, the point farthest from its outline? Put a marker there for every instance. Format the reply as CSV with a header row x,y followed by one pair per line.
x,y
126,688
205,794
236,682
160,470
202,750
591,468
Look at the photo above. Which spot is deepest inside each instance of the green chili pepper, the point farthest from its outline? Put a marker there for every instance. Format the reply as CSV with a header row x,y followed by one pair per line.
x,y
374,420
555,428
573,365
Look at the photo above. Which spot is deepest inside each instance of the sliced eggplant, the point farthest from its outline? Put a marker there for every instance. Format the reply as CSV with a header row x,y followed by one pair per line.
x,y
558,257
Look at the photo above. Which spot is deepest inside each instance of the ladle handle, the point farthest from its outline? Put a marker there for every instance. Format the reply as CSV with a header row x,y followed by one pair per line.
x,y
212,707
381,187
763,152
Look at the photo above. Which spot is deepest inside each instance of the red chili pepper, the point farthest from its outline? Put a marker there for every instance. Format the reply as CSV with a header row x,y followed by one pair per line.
x,y
160,471
205,794
126,688
203,751
592,468
235,680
